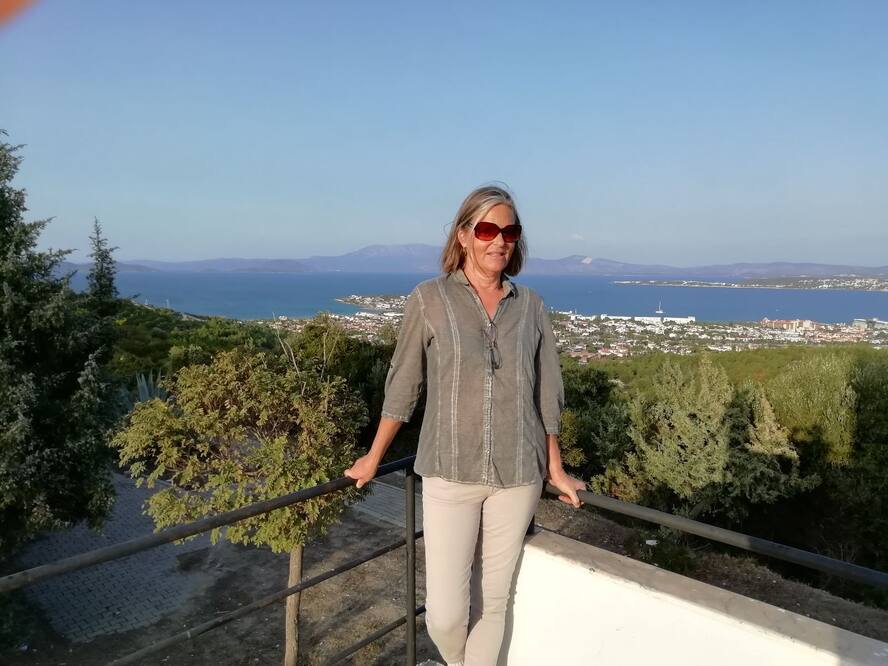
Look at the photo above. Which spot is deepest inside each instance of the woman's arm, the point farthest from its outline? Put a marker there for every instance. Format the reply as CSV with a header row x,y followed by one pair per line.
x,y
548,389
365,467
403,384
549,394
556,475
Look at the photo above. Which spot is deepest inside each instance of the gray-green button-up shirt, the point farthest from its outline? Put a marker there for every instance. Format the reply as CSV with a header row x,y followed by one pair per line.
x,y
494,387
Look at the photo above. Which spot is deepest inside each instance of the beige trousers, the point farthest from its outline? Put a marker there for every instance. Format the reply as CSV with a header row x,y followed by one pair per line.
x,y
473,536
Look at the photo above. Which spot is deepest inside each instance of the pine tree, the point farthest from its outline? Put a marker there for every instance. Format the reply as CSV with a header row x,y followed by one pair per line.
x,y
681,437
764,465
54,411
702,447
102,289
246,427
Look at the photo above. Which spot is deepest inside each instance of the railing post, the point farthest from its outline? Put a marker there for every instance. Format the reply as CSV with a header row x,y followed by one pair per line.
x,y
410,537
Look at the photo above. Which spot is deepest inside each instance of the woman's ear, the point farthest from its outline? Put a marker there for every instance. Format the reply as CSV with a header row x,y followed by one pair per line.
x,y
463,236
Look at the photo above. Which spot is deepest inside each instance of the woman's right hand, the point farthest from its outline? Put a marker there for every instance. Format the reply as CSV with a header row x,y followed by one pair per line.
x,y
363,470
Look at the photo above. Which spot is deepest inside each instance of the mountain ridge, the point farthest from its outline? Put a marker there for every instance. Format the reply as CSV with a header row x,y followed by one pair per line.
x,y
421,258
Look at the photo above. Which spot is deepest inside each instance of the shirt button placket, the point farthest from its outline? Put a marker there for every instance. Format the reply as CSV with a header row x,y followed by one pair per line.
x,y
488,413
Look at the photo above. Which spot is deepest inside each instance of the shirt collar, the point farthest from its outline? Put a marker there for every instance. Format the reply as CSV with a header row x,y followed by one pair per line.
x,y
508,287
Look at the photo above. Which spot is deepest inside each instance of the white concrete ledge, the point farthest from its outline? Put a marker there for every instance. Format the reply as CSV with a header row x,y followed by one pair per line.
x,y
573,603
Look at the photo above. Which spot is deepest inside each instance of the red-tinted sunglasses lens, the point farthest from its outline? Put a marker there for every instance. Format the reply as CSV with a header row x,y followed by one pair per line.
x,y
487,231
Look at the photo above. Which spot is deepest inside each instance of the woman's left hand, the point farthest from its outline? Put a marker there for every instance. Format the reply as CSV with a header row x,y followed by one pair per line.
x,y
567,486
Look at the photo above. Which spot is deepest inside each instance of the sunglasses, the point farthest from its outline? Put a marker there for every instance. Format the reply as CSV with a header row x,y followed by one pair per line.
x,y
487,231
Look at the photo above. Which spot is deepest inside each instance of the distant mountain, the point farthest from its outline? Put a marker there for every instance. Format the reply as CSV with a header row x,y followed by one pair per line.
x,y
419,258
414,258
789,269
227,265
579,265
122,267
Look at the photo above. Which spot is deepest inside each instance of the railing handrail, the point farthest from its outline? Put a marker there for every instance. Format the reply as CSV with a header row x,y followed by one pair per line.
x,y
745,542
137,545
133,546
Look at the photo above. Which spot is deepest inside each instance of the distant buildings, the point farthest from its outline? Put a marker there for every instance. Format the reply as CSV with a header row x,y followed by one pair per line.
x,y
651,320
869,324
589,337
795,325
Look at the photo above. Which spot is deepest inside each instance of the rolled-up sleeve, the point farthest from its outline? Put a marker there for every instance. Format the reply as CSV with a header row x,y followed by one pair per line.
x,y
549,389
407,372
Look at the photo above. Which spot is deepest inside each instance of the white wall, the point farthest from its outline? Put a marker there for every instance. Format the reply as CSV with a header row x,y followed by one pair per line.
x,y
576,604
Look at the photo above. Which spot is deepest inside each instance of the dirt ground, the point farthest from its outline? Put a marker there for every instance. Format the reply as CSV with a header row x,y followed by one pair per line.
x,y
334,614
346,608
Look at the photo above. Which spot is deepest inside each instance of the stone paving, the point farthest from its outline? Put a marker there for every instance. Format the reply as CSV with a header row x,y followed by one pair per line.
x,y
116,596
386,502
141,589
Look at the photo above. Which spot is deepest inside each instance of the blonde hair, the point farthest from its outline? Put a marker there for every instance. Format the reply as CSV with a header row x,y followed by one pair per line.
x,y
473,208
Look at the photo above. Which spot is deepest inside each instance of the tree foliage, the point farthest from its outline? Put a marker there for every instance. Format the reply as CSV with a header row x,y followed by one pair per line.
x,y
594,423
701,447
55,399
325,345
199,344
246,427
101,289
814,398
150,339
865,484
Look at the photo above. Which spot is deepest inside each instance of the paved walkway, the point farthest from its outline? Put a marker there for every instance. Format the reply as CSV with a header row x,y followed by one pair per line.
x,y
116,596
387,502
139,590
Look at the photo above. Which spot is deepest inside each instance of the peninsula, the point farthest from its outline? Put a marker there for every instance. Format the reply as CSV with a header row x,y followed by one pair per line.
x,y
838,282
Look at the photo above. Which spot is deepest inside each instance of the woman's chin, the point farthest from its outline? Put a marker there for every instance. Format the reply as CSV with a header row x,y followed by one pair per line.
x,y
495,264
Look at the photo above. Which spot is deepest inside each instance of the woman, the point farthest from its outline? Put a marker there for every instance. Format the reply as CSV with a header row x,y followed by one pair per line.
x,y
483,348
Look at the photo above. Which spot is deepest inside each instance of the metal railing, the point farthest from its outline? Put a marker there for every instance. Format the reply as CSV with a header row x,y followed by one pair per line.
x,y
745,542
139,544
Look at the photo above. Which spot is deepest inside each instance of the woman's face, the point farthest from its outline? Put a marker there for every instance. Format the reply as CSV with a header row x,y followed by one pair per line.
x,y
489,257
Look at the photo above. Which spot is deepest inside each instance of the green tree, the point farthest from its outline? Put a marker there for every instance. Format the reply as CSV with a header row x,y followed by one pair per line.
x,y
324,344
681,436
54,397
763,464
701,447
595,421
815,399
144,338
852,509
866,485
102,290
199,344
246,427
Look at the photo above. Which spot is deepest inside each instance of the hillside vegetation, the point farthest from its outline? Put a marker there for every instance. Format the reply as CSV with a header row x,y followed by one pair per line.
x,y
788,444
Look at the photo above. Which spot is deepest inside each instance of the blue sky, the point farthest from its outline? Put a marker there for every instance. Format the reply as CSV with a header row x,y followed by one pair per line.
x,y
681,133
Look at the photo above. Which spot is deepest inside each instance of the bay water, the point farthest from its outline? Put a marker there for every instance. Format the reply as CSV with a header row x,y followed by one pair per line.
x,y
264,295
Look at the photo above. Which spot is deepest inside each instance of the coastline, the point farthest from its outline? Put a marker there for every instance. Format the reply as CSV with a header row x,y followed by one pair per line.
x,y
735,285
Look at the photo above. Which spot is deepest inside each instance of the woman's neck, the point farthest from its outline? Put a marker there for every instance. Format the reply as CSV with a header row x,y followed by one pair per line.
x,y
482,281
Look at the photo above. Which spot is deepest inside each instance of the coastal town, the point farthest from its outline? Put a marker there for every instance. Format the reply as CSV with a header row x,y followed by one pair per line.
x,y
837,283
588,337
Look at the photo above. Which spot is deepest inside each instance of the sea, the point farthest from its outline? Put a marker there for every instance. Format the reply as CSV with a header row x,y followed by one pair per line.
x,y
267,295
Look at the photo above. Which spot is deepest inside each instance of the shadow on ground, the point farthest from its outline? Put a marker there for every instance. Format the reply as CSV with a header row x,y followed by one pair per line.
x,y
221,578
